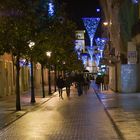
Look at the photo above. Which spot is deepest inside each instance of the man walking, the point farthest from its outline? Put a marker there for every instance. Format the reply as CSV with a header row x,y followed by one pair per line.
x,y
60,85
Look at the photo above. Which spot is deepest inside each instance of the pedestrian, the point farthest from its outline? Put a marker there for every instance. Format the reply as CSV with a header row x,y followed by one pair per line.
x,y
79,82
93,78
98,81
86,84
68,83
60,85
106,81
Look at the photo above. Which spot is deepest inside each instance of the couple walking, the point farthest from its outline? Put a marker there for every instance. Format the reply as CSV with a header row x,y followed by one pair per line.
x,y
61,83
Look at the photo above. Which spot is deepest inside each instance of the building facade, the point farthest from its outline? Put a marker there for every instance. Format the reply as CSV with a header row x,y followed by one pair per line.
x,y
121,16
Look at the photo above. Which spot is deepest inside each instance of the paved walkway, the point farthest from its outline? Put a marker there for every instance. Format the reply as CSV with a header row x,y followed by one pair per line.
x,y
8,113
124,111
80,118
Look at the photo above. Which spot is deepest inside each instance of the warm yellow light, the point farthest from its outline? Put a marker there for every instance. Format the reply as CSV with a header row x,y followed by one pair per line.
x,y
48,53
31,44
105,23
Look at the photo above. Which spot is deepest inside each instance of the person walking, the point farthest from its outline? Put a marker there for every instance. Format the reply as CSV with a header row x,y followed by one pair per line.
x,y
68,83
60,85
98,81
106,81
86,84
79,82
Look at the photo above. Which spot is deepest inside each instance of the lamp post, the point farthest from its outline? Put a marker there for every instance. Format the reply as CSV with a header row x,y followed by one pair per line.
x,y
64,72
48,54
31,44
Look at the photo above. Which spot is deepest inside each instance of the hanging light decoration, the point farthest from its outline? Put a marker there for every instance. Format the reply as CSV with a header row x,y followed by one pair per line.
x,y
101,44
84,58
91,25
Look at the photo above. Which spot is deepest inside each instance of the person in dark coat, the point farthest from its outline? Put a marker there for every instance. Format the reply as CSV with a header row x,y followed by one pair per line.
x,y
106,81
60,85
68,82
79,81
99,81
86,84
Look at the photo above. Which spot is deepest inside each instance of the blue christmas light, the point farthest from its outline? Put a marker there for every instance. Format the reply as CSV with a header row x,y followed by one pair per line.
x,y
91,26
84,58
135,1
90,51
101,43
98,10
97,61
50,8
79,53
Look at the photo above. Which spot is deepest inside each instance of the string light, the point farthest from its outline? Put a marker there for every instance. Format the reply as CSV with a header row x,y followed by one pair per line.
x,y
101,42
84,58
90,51
50,9
91,25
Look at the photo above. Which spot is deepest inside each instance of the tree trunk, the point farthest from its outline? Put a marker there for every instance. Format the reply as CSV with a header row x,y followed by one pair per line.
x,y
49,81
55,78
42,75
32,83
13,71
18,106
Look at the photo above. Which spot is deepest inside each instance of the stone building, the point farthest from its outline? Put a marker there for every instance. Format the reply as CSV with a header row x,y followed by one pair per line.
x,y
121,53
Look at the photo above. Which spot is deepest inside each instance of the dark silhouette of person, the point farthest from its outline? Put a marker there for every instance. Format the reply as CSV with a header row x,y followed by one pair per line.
x,y
60,85
99,80
79,82
68,82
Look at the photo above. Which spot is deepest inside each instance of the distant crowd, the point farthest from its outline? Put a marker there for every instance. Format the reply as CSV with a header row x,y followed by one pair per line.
x,y
81,82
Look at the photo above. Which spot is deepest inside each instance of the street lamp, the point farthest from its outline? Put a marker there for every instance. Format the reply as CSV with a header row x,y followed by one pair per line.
x,y
31,44
48,54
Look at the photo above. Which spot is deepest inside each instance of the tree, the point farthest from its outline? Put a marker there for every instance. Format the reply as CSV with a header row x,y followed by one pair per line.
x,y
17,28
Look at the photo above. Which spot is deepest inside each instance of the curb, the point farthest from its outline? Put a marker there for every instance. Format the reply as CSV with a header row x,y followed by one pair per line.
x,y
18,116
110,117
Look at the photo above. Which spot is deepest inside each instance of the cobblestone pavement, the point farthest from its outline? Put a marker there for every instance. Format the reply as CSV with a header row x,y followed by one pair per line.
x,y
77,118
124,110
8,113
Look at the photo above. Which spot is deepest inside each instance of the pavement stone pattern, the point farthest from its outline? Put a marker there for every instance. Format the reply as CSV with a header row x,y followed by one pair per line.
x,y
77,118
8,113
124,109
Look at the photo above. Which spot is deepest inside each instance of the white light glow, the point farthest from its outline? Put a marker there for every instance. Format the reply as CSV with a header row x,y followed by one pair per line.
x,y
48,53
50,9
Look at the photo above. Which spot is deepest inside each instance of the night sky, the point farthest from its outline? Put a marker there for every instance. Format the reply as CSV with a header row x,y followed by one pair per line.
x,y
78,9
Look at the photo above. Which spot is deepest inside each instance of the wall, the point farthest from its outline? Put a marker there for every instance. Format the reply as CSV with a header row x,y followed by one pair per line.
x,y
130,81
112,81
6,78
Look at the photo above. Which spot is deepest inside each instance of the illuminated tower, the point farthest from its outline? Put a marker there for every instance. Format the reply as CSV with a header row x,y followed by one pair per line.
x,y
80,40
91,25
